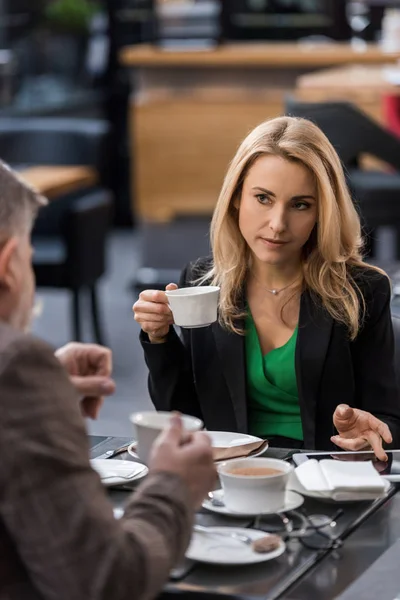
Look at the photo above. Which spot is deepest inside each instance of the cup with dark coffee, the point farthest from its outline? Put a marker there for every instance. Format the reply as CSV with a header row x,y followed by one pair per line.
x,y
256,484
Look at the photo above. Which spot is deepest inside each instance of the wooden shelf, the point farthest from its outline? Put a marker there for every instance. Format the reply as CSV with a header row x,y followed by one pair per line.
x,y
348,78
256,55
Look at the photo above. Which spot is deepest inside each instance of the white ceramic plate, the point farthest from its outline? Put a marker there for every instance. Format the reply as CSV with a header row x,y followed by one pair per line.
x,y
224,550
230,439
221,439
117,472
292,501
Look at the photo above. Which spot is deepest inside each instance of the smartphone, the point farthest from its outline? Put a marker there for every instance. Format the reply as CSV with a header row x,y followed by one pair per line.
x,y
390,469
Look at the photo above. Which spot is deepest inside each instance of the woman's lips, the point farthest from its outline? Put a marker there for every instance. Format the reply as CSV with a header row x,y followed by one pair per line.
x,y
274,244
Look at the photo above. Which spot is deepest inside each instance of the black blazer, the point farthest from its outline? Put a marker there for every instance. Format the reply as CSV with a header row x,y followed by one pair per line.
x,y
204,372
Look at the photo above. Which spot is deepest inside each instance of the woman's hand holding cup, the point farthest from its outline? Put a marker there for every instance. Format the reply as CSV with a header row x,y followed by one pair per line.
x,y
153,313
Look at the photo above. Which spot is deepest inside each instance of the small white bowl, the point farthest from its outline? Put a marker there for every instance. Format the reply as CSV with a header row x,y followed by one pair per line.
x,y
258,493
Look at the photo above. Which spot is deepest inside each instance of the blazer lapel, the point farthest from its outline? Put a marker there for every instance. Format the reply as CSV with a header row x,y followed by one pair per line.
x,y
231,352
314,333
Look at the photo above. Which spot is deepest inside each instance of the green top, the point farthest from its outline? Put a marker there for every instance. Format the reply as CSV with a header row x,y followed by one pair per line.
x,y
272,387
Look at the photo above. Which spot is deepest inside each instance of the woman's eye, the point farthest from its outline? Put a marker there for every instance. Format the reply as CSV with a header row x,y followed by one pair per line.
x,y
301,205
262,198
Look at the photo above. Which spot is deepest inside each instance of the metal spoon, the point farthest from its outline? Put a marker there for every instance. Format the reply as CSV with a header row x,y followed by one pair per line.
x,y
215,501
245,539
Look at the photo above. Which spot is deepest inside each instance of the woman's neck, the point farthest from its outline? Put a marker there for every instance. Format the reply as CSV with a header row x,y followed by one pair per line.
x,y
276,276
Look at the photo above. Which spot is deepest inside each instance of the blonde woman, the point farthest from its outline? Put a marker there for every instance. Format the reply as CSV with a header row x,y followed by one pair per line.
x,y
304,329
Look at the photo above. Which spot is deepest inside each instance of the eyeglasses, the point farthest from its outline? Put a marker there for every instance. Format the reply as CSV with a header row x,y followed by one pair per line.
x,y
314,532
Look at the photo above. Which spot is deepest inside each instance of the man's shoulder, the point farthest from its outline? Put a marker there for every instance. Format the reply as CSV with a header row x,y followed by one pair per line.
x,y
15,343
31,377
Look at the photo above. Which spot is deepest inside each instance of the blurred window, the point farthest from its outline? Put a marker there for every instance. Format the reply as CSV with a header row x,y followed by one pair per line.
x,y
57,52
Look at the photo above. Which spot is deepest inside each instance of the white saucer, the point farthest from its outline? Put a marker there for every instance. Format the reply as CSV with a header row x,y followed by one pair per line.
x,y
117,472
292,501
221,439
225,550
230,439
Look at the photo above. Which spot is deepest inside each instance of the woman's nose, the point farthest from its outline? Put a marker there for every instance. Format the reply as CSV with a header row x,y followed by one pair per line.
x,y
277,221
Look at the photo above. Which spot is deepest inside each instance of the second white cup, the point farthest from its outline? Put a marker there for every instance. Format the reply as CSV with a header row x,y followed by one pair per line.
x,y
194,306
149,424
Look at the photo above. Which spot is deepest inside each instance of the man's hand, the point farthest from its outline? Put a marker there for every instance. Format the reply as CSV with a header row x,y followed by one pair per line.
x,y
187,455
89,367
359,429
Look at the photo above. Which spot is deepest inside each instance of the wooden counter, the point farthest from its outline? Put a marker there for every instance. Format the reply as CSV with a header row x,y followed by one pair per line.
x,y
285,55
364,85
190,110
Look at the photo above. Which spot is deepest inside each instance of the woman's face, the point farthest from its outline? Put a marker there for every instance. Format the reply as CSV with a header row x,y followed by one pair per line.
x,y
278,209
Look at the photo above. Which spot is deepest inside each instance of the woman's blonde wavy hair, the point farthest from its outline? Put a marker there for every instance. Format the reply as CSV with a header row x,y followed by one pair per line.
x,y
334,245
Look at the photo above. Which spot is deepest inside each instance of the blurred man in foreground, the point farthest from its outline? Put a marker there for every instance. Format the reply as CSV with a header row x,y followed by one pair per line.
x,y
58,536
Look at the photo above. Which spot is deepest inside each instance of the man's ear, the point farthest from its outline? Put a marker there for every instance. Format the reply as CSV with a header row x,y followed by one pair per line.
x,y
7,253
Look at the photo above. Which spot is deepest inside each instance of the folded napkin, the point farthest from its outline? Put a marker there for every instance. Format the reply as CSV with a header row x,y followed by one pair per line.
x,y
242,451
338,480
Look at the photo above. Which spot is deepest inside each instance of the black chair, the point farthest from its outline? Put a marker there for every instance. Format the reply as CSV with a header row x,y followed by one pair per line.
x,y
77,259
353,133
54,141
70,234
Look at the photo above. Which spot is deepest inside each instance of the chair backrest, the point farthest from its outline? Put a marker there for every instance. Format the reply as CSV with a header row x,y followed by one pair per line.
x,y
85,230
53,141
349,129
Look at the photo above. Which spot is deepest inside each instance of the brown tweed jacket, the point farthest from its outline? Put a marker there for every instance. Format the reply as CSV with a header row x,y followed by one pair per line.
x,y
58,536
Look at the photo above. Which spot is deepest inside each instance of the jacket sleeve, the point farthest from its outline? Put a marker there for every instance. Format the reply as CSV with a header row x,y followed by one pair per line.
x,y
373,359
53,505
171,379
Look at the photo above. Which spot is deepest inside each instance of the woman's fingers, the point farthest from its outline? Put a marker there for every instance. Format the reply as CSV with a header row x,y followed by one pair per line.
x,y
171,286
371,441
153,296
153,318
158,308
382,429
352,444
376,444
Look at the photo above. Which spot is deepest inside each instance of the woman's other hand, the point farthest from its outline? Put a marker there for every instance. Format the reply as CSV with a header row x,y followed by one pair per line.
x,y
153,313
358,430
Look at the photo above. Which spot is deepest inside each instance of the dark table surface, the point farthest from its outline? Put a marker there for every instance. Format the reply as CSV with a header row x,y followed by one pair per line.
x,y
360,550
366,528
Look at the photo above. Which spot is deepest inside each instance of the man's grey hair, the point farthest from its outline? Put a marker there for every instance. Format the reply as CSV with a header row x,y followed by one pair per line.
x,y
19,203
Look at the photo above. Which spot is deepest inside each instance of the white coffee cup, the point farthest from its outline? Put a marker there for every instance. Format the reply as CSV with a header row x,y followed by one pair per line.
x,y
148,426
258,493
194,306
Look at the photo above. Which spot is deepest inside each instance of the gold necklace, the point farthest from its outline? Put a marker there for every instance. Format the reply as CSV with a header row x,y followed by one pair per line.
x,y
275,291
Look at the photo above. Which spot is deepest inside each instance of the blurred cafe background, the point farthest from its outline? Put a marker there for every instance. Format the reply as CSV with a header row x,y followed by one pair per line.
x,y
125,114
